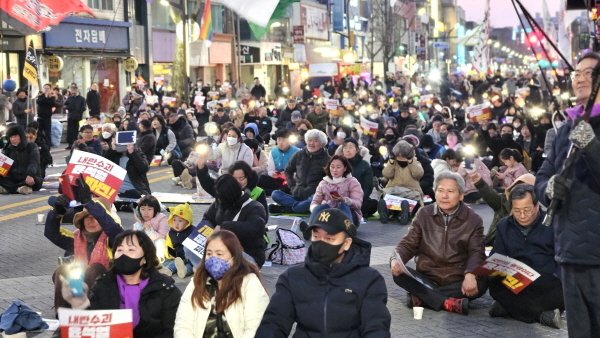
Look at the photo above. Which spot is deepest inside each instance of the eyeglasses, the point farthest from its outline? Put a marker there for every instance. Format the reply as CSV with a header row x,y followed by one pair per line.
x,y
586,73
525,211
240,178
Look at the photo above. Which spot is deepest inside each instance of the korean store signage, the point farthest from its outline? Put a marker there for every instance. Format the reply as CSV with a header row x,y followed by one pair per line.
x,y
88,34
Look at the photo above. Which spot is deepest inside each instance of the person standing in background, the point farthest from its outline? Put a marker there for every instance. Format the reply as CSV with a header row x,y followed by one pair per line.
x,y
93,100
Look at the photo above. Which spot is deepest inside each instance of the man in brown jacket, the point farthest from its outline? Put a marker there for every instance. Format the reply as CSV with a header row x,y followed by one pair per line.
x,y
446,240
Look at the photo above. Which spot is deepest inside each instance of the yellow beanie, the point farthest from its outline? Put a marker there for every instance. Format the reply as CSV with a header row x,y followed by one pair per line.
x,y
182,210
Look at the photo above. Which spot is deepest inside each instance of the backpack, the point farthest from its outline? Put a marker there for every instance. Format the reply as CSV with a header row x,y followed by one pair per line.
x,y
289,248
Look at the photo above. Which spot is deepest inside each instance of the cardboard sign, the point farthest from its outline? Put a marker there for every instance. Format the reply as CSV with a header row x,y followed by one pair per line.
x,y
518,275
369,127
479,113
5,164
102,176
331,104
95,323
425,99
196,241
348,102
394,202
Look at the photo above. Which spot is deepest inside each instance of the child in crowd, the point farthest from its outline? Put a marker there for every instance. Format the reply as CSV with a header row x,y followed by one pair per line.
x,y
180,221
154,223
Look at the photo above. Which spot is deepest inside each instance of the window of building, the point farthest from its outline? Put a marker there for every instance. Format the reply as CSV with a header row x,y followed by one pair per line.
x,y
106,5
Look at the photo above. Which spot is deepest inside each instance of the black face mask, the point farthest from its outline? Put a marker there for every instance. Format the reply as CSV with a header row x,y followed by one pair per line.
x,y
403,164
325,253
507,137
117,123
389,137
126,265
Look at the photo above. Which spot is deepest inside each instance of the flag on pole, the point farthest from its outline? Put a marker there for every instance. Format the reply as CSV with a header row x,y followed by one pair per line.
x,y
564,31
30,70
481,55
29,17
206,23
279,12
257,11
471,38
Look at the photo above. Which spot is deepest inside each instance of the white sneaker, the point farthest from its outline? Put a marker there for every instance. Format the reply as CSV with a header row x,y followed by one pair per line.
x,y
176,180
24,190
165,271
181,268
3,191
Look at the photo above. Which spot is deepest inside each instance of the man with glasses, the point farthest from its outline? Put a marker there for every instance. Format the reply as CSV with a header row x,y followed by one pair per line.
x,y
576,223
522,236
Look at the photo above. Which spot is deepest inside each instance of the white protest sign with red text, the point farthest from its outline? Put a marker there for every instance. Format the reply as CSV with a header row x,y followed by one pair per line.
x,y
368,127
5,164
95,323
103,176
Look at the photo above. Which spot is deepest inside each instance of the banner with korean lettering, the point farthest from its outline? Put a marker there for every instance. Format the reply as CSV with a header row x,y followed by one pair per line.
x,y
5,164
30,68
368,127
196,240
32,16
518,275
479,113
95,323
103,176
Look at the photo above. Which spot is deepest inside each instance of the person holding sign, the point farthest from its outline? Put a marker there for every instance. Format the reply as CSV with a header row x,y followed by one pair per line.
x,y
522,236
443,279
133,283
226,297
20,170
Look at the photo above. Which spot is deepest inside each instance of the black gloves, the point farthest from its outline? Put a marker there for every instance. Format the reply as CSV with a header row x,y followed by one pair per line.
x,y
60,205
85,195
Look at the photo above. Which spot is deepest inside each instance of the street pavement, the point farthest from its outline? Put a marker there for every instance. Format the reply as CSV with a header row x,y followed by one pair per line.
x,y
28,259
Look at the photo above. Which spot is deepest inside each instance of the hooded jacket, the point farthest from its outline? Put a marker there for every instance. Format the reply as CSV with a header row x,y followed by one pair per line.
x,y
26,157
174,240
230,154
346,299
407,177
249,227
304,172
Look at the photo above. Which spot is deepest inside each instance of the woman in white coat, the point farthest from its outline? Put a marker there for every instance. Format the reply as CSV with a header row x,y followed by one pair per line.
x,y
226,297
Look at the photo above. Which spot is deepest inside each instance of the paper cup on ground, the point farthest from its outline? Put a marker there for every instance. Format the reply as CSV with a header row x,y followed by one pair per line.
x,y
40,218
417,312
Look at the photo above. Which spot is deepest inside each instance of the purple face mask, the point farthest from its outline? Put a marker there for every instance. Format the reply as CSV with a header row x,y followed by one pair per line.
x,y
216,267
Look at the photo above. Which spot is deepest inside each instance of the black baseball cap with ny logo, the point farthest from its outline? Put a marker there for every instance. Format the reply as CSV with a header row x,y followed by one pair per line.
x,y
333,221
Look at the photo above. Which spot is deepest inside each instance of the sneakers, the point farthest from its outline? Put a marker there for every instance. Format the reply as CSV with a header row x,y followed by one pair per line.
x,y
412,301
383,211
165,271
24,190
404,214
497,310
3,191
181,268
176,180
186,179
551,319
457,305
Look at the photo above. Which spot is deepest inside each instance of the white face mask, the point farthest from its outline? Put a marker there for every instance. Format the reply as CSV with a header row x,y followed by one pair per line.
x,y
559,124
232,140
373,116
341,135
106,135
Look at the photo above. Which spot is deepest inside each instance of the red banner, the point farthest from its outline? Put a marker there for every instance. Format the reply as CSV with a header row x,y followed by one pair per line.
x,y
30,16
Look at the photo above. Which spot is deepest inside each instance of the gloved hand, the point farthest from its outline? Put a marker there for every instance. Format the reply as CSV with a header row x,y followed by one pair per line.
x,y
61,204
85,195
557,188
582,135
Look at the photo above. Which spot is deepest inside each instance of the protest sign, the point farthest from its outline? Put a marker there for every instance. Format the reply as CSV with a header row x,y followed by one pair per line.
x,y
95,323
102,176
199,100
348,103
169,101
479,113
331,104
394,202
408,273
369,127
5,164
196,241
518,275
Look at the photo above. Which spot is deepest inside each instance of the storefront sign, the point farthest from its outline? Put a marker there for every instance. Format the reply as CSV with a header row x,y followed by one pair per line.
x,y
55,63
338,9
130,64
298,34
249,54
88,34
322,69
299,53
13,43
315,21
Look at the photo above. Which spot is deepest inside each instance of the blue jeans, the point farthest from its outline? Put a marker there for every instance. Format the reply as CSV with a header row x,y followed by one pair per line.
x,y
345,208
170,264
287,200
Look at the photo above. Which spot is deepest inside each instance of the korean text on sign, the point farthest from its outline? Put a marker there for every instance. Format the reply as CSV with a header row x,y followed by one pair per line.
x,y
103,176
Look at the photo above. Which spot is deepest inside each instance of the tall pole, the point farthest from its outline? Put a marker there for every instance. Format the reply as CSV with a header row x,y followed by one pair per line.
x,y
186,59
348,22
